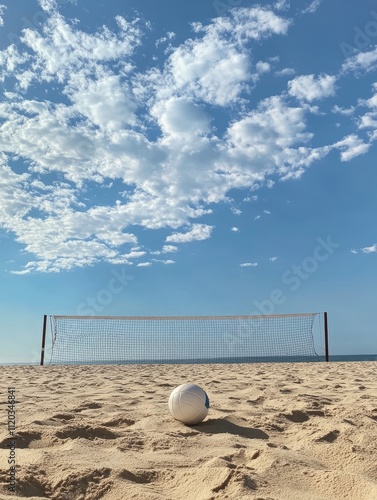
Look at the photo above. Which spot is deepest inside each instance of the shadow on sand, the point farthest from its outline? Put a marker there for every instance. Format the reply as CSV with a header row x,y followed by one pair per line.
x,y
222,425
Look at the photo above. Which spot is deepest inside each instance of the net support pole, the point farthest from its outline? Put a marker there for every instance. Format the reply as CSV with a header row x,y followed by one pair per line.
x,y
43,339
326,337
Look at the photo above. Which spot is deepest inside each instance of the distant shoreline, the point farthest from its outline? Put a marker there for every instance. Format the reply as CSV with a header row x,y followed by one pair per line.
x,y
333,359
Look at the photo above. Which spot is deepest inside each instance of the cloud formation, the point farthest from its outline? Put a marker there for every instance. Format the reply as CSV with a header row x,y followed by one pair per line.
x,y
198,232
2,10
370,249
362,61
93,150
312,7
309,88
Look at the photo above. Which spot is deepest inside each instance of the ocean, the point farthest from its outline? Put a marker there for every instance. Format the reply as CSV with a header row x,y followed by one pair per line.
x,y
301,359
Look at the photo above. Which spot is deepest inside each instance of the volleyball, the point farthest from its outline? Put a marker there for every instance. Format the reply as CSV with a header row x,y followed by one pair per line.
x,y
189,404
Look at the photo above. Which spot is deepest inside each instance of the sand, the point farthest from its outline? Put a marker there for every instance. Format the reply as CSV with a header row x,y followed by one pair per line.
x,y
304,431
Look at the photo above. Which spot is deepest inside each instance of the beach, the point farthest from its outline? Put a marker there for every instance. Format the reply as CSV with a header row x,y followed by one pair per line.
x,y
284,431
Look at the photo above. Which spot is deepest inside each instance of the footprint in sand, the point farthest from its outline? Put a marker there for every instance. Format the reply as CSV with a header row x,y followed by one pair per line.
x,y
31,482
315,401
87,405
83,484
274,427
63,416
85,432
119,422
140,477
160,444
330,437
316,413
296,416
259,400
373,417
134,441
23,439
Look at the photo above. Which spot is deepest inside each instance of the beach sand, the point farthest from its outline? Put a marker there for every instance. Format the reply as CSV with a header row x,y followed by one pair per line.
x,y
303,431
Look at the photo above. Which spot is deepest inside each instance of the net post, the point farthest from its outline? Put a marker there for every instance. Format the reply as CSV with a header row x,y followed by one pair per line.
x,y
326,337
43,339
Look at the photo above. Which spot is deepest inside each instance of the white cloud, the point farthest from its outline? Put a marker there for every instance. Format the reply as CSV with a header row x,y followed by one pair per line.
x,y
181,120
169,36
10,61
48,5
144,264
285,72
363,61
367,250
271,139
248,23
62,51
351,146
235,229
371,249
235,211
2,10
134,254
249,264
251,198
267,212
273,259
198,232
65,238
343,111
114,113
369,119
310,88
166,249
312,7
109,149
273,123
15,199
263,67
169,249
194,67
165,262
282,4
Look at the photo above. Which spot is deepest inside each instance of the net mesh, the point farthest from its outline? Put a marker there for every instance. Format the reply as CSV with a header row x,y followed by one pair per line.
x,y
171,339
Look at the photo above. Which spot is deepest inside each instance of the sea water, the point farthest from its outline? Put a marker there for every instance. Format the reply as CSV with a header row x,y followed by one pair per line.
x,y
300,359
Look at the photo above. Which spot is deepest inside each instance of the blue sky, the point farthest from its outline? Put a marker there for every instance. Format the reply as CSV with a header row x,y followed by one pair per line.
x,y
188,158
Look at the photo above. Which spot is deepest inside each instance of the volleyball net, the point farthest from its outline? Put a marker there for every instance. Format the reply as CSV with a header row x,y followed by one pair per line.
x,y
185,339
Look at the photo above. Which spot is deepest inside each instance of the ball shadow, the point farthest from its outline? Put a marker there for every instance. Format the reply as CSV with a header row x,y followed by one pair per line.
x,y
222,425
